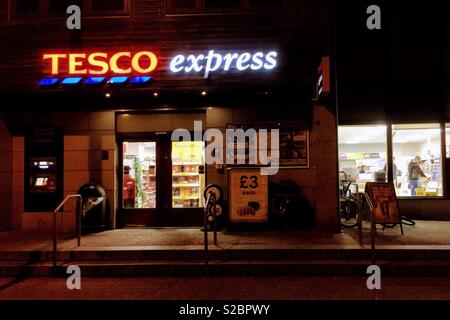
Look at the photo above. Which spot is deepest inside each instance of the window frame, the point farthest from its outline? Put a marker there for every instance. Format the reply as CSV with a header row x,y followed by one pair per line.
x,y
441,128
444,125
14,15
44,11
245,7
386,142
447,141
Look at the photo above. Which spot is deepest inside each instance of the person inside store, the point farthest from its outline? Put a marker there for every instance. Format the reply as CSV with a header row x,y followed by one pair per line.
x,y
362,169
397,172
414,174
129,188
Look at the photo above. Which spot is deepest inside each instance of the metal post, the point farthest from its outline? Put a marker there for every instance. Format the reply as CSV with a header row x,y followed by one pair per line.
x,y
360,199
79,214
372,227
372,240
55,240
205,230
214,223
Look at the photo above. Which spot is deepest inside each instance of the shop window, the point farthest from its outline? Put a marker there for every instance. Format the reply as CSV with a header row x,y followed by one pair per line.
x,y
447,139
417,159
139,175
52,8
363,154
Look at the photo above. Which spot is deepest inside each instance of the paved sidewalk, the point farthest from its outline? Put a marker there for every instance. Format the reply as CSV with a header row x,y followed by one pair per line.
x,y
424,233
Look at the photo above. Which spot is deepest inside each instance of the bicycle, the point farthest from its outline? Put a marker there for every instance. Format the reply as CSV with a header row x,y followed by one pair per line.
x,y
349,203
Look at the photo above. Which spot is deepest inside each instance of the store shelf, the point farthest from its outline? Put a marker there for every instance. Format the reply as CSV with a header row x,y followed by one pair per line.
x,y
186,198
185,174
181,185
186,163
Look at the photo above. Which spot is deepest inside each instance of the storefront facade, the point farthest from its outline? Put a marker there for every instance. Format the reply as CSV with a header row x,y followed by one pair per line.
x,y
119,87
393,105
100,105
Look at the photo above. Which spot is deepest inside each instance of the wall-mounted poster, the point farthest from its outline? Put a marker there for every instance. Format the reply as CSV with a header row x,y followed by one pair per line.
x,y
249,195
293,143
294,148
384,201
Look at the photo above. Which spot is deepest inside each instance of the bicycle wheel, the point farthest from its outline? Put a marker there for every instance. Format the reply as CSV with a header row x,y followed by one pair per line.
x,y
349,214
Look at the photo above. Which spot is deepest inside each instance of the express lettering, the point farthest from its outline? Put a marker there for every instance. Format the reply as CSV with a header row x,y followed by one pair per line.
x,y
100,63
214,61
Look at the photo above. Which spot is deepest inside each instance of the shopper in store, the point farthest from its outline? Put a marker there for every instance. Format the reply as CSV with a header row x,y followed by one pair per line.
x,y
414,174
362,169
129,188
397,172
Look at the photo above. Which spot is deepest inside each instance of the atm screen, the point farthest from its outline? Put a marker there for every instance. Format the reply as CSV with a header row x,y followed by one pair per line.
x,y
40,182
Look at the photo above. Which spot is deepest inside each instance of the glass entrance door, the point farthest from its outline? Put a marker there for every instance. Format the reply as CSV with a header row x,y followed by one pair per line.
x,y
139,175
139,179
188,175
162,182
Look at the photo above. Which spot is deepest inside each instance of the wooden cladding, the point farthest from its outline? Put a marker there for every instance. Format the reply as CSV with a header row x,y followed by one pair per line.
x,y
148,28
223,6
22,9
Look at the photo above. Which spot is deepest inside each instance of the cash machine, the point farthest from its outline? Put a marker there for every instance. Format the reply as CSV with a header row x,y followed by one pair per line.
x,y
44,150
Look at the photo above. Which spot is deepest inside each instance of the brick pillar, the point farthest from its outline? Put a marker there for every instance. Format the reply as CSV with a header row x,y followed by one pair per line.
x,y
5,177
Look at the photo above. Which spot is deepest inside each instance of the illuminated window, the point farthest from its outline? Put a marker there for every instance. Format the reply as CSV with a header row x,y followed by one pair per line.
x,y
363,154
188,174
417,156
139,175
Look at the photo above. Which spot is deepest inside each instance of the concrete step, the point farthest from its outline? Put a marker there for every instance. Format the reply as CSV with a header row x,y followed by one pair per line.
x,y
196,253
235,267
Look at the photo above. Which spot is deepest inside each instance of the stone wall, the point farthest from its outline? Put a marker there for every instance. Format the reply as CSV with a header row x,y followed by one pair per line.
x,y
318,183
89,156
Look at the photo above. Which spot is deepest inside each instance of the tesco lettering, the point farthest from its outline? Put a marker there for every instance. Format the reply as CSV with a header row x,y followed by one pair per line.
x,y
99,63
214,61
145,62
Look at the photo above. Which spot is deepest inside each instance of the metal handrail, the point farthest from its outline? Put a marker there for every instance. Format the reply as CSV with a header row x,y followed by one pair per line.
x,y
210,206
205,226
78,217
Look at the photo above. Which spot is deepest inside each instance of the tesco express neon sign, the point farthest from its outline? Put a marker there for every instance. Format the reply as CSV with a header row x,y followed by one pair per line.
x,y
214,61
124,63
